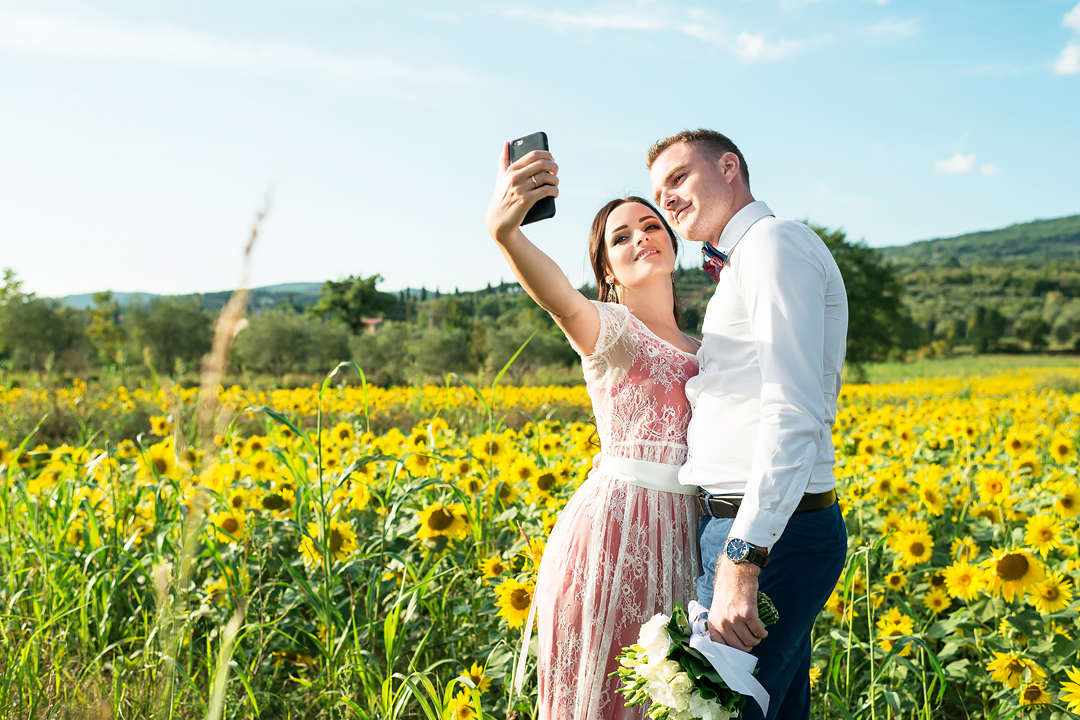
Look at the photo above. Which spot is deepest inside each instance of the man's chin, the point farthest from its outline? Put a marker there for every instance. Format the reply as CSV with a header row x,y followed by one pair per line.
x,y
692,233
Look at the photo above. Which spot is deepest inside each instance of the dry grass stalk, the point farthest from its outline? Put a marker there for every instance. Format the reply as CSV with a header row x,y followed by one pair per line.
x,y
173,606
229,323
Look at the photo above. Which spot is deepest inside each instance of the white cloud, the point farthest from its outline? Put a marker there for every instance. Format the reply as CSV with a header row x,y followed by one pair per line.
x,y
66,37
696,23
1068,63
958,164
1072,18
894,28
755,48
588,20
989,169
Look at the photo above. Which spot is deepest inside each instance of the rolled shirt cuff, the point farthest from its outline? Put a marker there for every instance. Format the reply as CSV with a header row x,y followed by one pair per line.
x,y
757,526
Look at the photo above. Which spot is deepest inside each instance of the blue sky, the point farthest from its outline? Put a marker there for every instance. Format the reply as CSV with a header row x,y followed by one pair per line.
x,y
140,138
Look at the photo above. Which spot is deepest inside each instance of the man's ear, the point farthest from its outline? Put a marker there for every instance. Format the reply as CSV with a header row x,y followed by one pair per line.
x,y
729,165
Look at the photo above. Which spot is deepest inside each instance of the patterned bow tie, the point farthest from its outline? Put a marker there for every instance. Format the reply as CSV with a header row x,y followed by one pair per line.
x,y
713,261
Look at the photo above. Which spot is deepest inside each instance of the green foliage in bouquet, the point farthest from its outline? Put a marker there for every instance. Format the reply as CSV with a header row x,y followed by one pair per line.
x,y
676,680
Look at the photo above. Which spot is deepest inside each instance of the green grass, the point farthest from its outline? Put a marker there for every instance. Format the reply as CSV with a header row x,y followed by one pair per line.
x,y
963,366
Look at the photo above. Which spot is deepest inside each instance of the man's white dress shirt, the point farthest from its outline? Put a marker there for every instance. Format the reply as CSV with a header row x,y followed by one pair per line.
x,y
772,348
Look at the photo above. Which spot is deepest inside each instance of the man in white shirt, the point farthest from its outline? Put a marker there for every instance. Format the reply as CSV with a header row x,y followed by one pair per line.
x,y
760,441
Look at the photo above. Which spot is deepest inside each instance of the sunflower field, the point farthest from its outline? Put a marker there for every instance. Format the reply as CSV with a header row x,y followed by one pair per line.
x,y
349,551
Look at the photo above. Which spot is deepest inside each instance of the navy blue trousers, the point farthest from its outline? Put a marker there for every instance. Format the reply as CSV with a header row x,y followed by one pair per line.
x,y
804,566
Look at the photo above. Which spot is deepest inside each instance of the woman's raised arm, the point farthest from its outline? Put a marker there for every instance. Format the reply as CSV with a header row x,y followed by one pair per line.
x,y
517,188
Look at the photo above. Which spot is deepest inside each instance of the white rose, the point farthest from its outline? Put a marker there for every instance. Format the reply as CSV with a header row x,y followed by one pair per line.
x,y
660,692
654,638
649,672
681,688
715,711
707,709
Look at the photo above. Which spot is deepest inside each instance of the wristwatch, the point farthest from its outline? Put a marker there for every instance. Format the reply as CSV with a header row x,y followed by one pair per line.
x,y
740,551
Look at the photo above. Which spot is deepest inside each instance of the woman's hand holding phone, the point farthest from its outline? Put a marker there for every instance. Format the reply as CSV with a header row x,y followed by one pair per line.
x,y
518,186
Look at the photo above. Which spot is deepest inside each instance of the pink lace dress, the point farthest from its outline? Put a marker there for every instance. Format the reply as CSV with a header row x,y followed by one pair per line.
x,y
621,550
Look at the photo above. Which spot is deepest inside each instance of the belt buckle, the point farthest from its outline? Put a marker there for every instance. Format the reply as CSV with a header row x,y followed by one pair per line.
x,y
706,500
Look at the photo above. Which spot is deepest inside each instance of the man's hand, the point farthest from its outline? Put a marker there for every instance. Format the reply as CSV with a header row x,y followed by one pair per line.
x,y
733,617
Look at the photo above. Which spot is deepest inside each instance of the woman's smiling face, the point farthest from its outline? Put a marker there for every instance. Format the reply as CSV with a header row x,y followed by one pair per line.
x,y
638,246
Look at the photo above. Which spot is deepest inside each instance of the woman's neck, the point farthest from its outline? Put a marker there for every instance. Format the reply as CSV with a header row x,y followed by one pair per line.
x,y
652,304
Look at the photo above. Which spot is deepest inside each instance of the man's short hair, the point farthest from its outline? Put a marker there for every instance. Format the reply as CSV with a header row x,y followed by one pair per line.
x,y
710,141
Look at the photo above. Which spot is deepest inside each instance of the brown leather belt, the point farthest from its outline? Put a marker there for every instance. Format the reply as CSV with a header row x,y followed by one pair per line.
x,y
721,506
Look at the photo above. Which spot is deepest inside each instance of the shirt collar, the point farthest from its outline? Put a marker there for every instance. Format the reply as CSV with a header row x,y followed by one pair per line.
x,y
739,223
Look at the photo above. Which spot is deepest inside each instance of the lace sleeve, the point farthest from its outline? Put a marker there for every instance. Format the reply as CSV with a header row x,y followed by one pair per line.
x,y
613,319
613,350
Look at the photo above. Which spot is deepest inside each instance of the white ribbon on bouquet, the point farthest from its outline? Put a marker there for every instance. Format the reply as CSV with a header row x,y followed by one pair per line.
x,y
735,667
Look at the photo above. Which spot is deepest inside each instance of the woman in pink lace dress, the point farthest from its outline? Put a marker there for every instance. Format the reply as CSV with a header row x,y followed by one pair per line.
x,y
624,547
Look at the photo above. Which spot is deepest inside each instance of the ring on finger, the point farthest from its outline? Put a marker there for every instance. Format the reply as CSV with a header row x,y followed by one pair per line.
x,y
533,178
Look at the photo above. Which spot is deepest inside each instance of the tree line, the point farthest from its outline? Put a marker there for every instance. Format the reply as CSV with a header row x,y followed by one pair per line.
x,y
896,309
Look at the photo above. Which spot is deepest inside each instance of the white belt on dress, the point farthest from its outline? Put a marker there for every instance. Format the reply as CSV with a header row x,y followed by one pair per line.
x,y
651,475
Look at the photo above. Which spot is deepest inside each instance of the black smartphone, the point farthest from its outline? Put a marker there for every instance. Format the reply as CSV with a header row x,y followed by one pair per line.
x,y
545,206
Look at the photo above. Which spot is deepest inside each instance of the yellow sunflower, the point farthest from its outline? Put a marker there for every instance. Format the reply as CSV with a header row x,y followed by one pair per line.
x,y
896,581
492,566
936,600
359,495
521,471
841,610
964,548
471,484
343,434
478,677
158,461
160,426
534,551
340,543
439,520
278,501
490,447
505,491
420,465
542,486
460,707
1012,572
993,485
1011,669
228,526
126,450
1062,450
1043,532
932,499
1067,503
513,599
1018,442
1028,463
1052,594
963,580
913,548
238,499
75,533
216,589
1070,691
1034,694
892,626
254,444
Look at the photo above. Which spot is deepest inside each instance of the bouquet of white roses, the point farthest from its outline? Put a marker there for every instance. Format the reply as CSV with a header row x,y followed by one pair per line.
x,y
683,675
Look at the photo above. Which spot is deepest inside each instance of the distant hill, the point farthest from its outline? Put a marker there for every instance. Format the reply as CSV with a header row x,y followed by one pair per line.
x,y
1038,241
300,294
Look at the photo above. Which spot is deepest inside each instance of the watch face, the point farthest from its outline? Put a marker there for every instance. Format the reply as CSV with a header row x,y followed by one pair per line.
x,y
737,550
